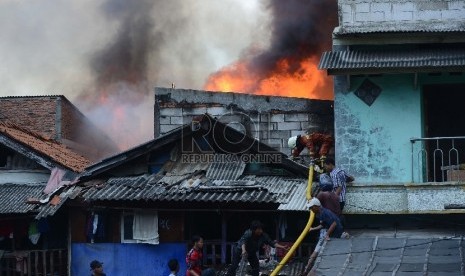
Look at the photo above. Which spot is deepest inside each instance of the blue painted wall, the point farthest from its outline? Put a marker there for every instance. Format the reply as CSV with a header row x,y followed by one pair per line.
x,y
127,259
373,142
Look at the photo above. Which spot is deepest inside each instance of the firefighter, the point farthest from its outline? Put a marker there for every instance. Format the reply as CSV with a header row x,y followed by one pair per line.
x,y
317,143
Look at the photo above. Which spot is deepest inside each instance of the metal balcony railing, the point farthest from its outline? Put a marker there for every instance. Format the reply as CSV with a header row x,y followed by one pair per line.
x,y
438,159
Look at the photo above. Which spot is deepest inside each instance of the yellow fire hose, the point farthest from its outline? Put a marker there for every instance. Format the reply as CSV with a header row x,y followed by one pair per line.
x,y
304,233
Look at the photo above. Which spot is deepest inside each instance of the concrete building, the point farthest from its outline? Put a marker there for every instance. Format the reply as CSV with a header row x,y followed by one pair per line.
x,y
269,119
399,82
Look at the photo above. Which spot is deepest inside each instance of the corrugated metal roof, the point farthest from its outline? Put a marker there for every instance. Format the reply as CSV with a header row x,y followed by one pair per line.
x,y
13,197
48,209
403,27
417,59
290,192
225,167
148,187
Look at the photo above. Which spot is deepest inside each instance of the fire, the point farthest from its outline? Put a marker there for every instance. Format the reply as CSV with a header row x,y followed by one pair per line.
x,y
300,79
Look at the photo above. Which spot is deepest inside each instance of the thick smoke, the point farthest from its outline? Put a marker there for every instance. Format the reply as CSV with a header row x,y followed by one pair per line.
x,y
107,56
121,98
300,30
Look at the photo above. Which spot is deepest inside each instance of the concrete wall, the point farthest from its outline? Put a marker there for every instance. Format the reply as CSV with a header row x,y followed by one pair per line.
x,y
398,198
272,120
373,142
353,12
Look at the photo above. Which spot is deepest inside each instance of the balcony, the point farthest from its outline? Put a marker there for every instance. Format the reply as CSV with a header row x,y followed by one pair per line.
x,y
438,159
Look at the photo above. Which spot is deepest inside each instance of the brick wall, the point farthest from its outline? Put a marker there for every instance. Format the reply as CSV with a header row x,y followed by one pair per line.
x,y
362,11
270,119
56,118
36,113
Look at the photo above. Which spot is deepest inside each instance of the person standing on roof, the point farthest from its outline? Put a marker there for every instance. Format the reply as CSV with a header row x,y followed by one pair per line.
x,y
317,143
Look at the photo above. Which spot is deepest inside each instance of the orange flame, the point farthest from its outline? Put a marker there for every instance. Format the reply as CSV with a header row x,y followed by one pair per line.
x,y
305,82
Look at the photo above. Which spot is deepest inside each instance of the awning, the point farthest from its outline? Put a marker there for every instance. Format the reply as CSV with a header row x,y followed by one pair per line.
x,y
393,61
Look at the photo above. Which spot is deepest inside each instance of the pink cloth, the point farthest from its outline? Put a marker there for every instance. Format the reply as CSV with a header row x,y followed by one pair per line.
x,y
54,181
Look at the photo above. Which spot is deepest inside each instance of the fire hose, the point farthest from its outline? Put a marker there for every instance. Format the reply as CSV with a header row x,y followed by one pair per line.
x,y
304,233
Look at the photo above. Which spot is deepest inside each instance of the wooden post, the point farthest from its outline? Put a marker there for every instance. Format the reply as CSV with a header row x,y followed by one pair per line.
x,y
223,238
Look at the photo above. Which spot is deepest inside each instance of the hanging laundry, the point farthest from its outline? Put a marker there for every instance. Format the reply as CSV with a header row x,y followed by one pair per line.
x,y
95,227
33,232
145,227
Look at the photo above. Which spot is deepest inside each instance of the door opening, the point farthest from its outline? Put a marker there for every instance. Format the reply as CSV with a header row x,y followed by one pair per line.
x,y
444,118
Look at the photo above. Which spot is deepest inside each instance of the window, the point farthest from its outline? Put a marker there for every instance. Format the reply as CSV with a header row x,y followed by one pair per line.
x,y
139,227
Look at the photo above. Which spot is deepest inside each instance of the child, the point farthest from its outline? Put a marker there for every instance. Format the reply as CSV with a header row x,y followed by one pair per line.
x,y
173,265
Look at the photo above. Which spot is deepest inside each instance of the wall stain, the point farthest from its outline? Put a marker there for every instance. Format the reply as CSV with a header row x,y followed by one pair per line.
x,y
365,154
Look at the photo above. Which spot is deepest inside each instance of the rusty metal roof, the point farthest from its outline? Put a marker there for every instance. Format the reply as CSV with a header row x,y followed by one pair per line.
x,y
13,197
50,152
378,61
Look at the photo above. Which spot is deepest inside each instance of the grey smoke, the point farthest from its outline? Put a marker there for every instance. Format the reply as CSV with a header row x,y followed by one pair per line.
x,y
120,50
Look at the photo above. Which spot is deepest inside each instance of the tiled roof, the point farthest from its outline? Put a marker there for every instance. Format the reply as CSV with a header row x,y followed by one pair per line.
x,y
46,148
383,60
13,197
